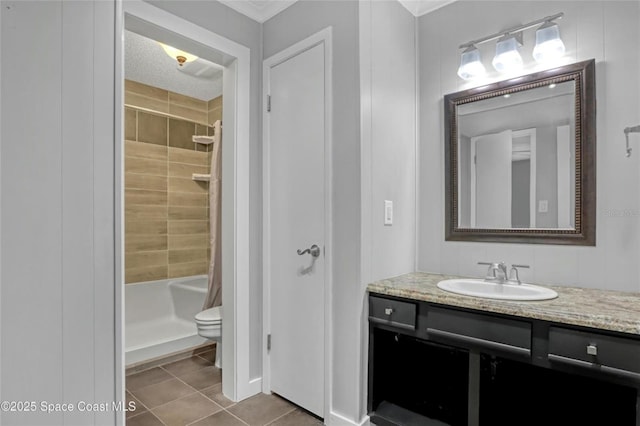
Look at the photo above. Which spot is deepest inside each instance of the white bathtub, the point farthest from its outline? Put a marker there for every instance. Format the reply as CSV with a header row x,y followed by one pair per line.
x,y
159,317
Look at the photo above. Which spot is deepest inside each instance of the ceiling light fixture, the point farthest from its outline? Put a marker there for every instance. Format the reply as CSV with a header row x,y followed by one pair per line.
x,y
179,55
548,47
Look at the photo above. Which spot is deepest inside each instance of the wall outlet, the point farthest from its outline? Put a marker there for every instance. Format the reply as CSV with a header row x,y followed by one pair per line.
x,y
543,206
388,213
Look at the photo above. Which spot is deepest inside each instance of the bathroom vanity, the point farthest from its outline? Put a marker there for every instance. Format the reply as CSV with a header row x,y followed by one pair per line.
x,y
437,358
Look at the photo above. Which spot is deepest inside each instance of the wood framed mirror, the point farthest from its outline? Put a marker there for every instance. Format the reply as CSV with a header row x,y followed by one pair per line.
x,y
520,159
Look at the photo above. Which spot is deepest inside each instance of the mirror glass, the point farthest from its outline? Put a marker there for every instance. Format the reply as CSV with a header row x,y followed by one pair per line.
x,y
516,163
520,159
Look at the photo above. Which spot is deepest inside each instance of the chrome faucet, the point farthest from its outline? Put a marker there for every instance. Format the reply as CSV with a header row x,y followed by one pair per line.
x,y
497,272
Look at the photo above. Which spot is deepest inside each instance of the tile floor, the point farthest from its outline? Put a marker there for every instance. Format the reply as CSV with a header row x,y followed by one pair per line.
x,y
189,392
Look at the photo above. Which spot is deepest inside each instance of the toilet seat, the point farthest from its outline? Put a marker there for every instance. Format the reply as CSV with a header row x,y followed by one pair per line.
x,y
210,316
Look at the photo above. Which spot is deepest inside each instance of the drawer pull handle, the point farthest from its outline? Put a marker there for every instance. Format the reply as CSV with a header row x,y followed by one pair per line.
x,y
388,311
592,349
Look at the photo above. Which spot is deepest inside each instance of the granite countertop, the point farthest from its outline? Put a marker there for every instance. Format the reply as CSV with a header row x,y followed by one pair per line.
x,y
602,309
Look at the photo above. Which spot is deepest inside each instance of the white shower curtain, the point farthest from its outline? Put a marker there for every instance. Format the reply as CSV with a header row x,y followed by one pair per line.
x,y
214,295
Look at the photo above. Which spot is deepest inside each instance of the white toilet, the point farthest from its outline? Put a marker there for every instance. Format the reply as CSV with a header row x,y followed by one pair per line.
x,y
209,324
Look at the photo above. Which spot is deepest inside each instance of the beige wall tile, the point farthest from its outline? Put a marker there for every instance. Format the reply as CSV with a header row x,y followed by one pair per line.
x,y
146,273
139,181
188,213
146,90
186,170
152,128
145,258
215,103
136,243
188,185
181,133
188,269
188,199
187,255
188,227
187,101
147,227
177,155
130,124
145,166
145,150
202,130
139,101
180,242
188,113
145,212
214,115
144,196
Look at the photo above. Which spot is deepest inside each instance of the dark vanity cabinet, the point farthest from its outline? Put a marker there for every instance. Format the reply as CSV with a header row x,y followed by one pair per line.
x,y
432,364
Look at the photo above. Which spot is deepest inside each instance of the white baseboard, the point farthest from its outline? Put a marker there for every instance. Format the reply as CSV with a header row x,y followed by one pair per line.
x,y
336,419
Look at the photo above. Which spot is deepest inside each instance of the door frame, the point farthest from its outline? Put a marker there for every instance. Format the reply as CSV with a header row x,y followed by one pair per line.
x,y
237,383
322,37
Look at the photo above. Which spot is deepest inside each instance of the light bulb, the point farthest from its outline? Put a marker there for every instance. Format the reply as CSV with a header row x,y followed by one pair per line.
x,y
179,55
549,46
507,57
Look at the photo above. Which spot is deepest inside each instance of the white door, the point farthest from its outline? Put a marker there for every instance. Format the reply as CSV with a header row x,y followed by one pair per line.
x,y
296,221
491,180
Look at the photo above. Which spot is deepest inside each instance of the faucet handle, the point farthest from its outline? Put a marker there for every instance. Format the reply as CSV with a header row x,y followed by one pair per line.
x,y
491,272
514,271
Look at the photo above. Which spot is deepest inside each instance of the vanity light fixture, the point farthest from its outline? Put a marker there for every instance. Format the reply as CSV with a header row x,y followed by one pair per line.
x,y
179,55
549,47
507,57
470,64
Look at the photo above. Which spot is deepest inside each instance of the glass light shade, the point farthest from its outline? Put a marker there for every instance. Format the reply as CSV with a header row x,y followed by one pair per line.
x,y
549,46
507,57
470,64
177,54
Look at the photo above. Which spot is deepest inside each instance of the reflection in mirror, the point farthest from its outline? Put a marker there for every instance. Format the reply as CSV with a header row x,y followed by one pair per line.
x,y
515,160
520,159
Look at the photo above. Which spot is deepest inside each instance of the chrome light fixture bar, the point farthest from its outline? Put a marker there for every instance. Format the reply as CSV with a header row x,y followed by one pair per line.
x,y
548,46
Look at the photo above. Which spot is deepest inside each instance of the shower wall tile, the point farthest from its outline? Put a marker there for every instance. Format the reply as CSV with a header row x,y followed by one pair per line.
x,y
181,227
177,155
187,256
145,197
188,269
145,166
177,242
143,181
215,110
143,150
187,213
180,134
188,199
166,212
188,185
141,243
146,273
145,227
130,124
152,128
143,212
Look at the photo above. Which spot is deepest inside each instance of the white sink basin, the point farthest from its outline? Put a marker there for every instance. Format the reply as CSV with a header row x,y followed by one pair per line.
x,y
492,290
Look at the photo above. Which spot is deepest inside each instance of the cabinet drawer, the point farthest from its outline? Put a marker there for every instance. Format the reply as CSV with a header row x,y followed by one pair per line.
x,y
480,331
610,354
392,312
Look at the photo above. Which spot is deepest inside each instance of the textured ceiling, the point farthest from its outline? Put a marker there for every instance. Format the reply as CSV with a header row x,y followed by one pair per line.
x,y
146,62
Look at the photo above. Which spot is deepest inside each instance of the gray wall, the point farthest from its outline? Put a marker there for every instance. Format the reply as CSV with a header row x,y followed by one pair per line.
x,y
547,176
285,29
228,23
465,181
589,30
520,190
57,310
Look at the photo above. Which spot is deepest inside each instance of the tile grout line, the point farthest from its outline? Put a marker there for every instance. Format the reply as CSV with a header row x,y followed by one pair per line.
x,y
233,415
285,414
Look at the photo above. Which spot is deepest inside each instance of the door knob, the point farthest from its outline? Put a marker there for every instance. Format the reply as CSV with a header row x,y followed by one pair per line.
x,y
314,251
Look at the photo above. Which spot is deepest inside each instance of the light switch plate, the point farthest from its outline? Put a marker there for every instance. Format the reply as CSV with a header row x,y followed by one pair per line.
x,y
388,212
